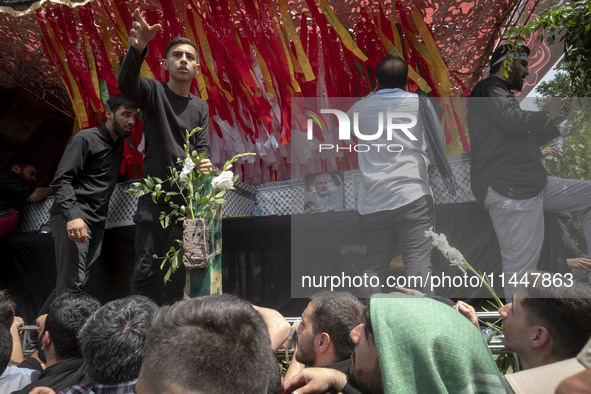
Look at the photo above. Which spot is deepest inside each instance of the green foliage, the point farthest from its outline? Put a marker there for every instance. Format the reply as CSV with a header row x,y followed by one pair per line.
x,y
189,193
571,23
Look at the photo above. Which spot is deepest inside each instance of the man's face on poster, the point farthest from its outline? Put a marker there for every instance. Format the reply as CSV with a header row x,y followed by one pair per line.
x,y
321,183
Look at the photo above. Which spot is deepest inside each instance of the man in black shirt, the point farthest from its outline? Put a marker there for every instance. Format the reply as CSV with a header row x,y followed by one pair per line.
x,y
83,183
507,175
168,110
16,187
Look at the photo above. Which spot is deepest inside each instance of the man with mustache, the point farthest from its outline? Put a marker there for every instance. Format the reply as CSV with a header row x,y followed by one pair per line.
x,y
83,184
507,176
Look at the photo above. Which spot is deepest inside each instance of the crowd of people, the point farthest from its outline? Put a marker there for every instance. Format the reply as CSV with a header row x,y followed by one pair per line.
x,y
397,343
154,341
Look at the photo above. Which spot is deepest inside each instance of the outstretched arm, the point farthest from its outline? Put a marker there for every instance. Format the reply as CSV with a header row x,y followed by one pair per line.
x,y
141,33
276,324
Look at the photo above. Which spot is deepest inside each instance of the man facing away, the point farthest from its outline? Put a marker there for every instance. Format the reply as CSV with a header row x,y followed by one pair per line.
x,y
83,183
17,185
212,344
395,200
507,176
168,110
112,345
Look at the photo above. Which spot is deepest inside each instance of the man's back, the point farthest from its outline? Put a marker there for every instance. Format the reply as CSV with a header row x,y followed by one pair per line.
x,y
393,172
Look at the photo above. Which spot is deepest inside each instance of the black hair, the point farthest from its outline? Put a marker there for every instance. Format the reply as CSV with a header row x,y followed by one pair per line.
x,y
216,343
502,51
337,313
66,316
392,72
178,41
117,100
21,162
5,348
564,311
112,339
7,307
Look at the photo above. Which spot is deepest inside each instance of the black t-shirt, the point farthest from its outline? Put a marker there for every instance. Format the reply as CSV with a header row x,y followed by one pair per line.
x,y
13,191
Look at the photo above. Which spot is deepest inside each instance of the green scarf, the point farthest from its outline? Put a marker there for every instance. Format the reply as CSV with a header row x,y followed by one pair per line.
x,y
427,347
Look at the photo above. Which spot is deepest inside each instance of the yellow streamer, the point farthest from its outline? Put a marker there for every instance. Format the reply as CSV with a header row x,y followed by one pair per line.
x,y
201,85
341,31
289,28
205,48
75,96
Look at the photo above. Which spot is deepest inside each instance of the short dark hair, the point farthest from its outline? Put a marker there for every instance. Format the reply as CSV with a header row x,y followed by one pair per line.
x,y
5,348
392,72
66,316
21,162
178,41
216,343
112,339
337,313
502,51
564,311
7,307
117,100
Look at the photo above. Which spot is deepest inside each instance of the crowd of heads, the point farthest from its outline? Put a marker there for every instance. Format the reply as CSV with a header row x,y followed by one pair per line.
x,y
221,343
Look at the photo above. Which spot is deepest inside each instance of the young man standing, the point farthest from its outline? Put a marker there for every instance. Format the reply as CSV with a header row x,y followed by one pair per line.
x,y
168,111
83,183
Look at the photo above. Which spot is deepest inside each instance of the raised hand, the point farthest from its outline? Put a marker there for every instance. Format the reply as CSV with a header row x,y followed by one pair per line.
x,y
141,33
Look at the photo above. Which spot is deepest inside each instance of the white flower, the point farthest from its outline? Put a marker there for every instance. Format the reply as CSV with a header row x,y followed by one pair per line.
x,y
449,252
223,181
188,166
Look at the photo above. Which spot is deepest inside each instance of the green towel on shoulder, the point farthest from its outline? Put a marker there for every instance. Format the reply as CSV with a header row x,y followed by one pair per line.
x,y
427,347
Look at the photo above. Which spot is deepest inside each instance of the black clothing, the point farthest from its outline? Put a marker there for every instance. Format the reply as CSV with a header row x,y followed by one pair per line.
x,y
150,239
505,142
342,366
73,260
86,176
31,363
167,117
63,374
13,191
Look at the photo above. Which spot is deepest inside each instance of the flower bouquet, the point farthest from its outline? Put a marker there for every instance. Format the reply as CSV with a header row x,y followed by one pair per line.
x,y
195,198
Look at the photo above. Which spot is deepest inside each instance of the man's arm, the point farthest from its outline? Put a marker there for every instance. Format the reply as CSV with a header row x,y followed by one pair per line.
x,y
17,349
276,324
512,119
70,167
129,82
40,193
316,380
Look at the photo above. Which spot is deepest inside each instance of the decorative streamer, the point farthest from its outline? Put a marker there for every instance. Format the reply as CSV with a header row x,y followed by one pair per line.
x,y
255,56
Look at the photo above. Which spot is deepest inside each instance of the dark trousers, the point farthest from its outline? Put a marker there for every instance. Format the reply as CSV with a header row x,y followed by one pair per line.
x,y
151,239
72,260
403,227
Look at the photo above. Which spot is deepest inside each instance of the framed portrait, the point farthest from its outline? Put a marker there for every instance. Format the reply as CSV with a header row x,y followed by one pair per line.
x,y
324,191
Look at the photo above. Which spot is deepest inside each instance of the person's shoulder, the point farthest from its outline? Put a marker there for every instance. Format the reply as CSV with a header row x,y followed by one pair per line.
x,y
197,100
490,86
